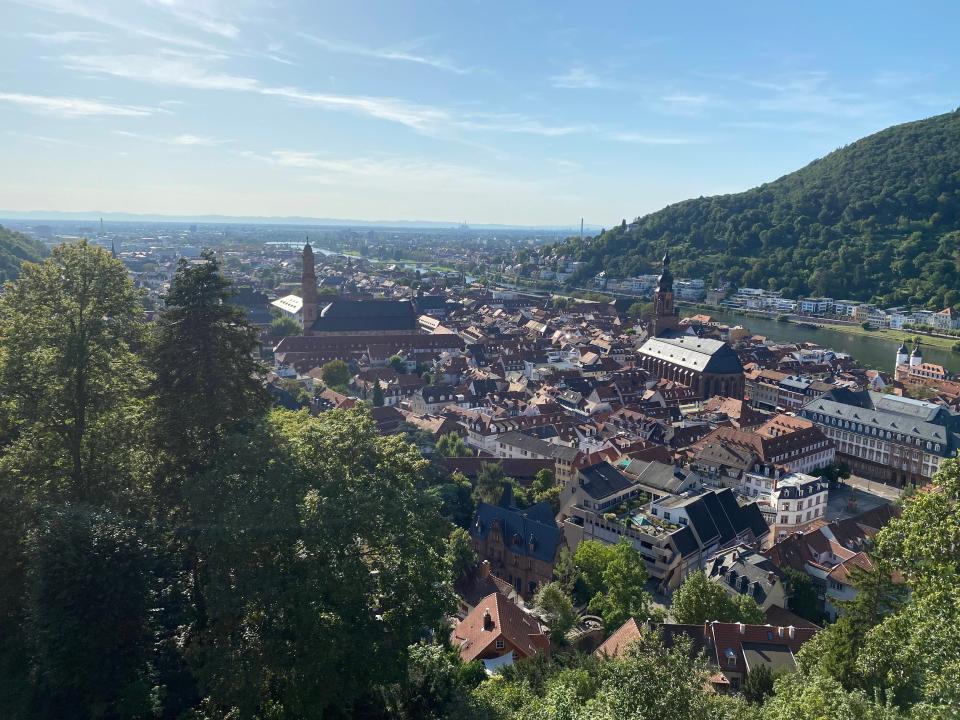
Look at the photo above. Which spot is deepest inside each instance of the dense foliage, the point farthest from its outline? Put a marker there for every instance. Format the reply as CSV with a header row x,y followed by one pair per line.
x,y
878,219
16,248
174,549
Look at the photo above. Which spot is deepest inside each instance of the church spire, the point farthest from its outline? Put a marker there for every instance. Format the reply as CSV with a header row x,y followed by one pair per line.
x,y
664,316
308,288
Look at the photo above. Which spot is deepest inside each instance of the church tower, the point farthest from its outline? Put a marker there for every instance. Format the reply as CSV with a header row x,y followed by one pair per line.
x,y
902,354
308,289
916,357
664,315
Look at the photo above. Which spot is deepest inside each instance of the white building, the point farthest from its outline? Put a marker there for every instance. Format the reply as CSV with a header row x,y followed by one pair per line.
x,y
796,501
817,306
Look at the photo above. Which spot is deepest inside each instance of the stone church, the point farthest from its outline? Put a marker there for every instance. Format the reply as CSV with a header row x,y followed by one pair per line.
x,y
711,367
341,316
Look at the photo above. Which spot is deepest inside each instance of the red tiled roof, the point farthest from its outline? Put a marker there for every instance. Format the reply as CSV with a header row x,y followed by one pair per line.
x,y
508,622
616,645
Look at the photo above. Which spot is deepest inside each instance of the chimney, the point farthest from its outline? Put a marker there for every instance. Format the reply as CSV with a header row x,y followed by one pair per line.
x,y
792,630
487,620
485,569
742,628
771,577
780,631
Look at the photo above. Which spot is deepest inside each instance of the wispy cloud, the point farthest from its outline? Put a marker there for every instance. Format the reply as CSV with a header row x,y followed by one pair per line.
x,y
579,78
71,106
195,14
183,140
178,71
388,172
66,36
403,54
684,103
181,71
48,141
641,139
808,93
86,11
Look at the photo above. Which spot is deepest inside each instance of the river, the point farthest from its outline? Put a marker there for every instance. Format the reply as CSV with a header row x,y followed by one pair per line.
x,y
876,353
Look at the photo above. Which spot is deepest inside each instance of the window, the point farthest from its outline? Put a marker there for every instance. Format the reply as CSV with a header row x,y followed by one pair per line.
x,y
499,645
682,521
666,516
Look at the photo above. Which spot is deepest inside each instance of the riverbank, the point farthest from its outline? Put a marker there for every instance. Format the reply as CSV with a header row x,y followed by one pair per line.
x,y
898,336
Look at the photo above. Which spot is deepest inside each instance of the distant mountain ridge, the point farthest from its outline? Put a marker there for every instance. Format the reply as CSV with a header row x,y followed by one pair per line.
x,y
876,220
14,249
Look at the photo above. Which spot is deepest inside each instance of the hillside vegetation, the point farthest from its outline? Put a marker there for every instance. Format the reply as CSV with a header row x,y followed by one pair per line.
x,y
876,220
14,249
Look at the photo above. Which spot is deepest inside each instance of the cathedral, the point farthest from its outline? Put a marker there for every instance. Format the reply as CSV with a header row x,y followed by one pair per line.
x,y
710,367
341,316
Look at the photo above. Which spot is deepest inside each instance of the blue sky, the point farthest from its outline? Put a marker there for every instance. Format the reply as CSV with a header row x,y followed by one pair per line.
x,y
513,112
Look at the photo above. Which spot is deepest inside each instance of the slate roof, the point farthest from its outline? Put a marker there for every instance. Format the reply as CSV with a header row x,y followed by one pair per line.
x,y
366,315
535,445
516,524
603,480
695,353
884,421
684,541
657,475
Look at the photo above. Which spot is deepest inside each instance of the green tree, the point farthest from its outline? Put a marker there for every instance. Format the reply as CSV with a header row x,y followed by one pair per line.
x,y
398,364
452,445
70,376
454,496
490,483
565,570
653,683
436,685
335,374
89,613
800,697
640,310
328,560
377,398
746,610
460,555
803,599
285,326
700,600
624,594
590,560
554,605
758,685
207,381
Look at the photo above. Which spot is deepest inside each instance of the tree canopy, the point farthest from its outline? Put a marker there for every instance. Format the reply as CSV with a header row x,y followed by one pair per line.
x,y
876,220
15,249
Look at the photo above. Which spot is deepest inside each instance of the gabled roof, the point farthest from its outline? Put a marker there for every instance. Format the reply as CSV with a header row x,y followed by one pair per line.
x,y
366,315
695,353
507,621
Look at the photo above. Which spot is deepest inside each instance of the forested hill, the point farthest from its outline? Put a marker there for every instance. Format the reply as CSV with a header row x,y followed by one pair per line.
x,y
878,219
14,249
